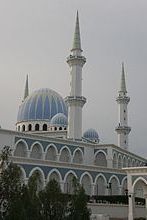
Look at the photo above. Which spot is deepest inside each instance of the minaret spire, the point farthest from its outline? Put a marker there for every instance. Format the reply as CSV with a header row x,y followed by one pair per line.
x,y
123,129
77,39
75,100
123,82
26,92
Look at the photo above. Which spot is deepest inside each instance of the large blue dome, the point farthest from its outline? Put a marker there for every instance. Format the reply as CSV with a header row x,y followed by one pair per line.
x,y
42,104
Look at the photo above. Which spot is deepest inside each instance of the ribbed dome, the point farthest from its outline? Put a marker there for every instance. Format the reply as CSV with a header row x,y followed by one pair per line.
x,y
91,134
59,120
42,104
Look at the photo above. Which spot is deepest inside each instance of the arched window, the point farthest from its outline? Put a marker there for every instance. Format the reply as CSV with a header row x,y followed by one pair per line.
x,y
65,128
23,128
125,162
29,127
139,189
68,186
54,175
119,162
44,128
124,187
60,128
86,183
114,161
100,186
51,154
100,160
55,128
78,157
37,127
113,187
21,150
65,156
129,162
36,152
18,128
38,176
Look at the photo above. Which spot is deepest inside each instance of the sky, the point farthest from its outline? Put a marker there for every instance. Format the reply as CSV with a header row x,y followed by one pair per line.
x,y
36,38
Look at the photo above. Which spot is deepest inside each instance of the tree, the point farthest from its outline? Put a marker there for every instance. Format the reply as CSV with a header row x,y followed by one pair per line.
x,y
54,202
10,182
78,206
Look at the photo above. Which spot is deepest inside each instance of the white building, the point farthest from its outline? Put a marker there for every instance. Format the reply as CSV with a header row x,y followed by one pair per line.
x,y
49,138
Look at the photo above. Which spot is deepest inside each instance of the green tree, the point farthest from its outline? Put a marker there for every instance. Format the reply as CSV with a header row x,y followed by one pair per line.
x,y
10,182
54,202
78,205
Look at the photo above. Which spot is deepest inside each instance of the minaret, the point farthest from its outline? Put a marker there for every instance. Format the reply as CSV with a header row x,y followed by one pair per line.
x,y
123,129
75,101
26,92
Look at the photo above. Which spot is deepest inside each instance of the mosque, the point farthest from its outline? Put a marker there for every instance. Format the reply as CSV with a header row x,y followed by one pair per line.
x,y
49,138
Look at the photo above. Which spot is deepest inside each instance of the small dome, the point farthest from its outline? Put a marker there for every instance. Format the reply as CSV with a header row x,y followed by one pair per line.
x,y
59,120
42,104
91,134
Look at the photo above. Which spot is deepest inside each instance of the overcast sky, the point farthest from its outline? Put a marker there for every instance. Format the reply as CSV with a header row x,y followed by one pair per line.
x,y
36,37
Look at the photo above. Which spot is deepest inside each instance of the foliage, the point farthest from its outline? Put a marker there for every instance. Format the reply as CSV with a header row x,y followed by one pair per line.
x,y
78,206
29,201
54,203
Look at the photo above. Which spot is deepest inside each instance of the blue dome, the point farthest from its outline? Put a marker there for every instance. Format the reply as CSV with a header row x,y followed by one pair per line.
x,y
42,104
91,134
59,120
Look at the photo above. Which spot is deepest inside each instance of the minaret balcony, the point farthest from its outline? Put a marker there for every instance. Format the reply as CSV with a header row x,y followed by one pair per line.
x,y
75,100
123,99
123,129
76,59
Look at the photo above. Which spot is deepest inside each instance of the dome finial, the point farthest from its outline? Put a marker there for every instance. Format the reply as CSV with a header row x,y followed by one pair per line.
x,y
77,40
26,92
123,82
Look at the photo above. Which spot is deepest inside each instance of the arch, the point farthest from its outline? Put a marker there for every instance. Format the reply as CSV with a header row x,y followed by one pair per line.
x,y
60,128
137,163
37,127
22,175
78,156
51,152
29,127
119,161
23,128
100,158
139,179
114,185
124,186
133,163
68,182
124,162
86,181
115,165
65,154
44,127
54,174
129,162
36,151
21,148
139,186
41,181
100,185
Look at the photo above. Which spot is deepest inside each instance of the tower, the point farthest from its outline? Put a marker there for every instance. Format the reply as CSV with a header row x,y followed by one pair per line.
x,y
123,129
75,100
